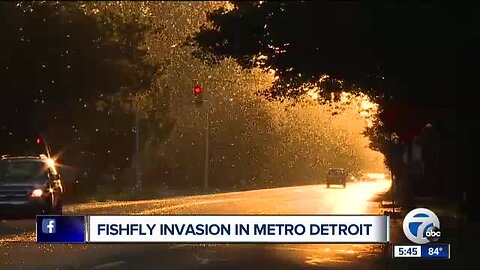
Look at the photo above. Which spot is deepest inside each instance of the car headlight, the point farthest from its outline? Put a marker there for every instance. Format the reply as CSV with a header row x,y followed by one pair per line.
x,y
37,193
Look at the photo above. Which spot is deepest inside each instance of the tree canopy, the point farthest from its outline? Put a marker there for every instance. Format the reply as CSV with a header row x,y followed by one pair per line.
x,y
415,59
404,55
59,65
254,142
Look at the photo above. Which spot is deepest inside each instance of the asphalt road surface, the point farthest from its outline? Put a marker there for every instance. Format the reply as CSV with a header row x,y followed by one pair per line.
x,y
18,250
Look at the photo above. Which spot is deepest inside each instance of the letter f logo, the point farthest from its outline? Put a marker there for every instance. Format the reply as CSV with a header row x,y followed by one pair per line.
x,y
48,226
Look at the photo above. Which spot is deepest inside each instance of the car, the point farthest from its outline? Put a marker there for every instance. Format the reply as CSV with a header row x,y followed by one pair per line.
x,y
30,184
337,176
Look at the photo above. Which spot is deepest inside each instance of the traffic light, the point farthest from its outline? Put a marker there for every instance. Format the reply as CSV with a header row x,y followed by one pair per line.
x,y
39,140
197,95
197,90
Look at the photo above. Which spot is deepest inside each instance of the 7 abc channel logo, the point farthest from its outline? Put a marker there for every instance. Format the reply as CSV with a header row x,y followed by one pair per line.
x,y
421,226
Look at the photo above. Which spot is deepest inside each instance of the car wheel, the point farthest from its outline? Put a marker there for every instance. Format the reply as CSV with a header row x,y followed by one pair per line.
x,y
58,209
55,208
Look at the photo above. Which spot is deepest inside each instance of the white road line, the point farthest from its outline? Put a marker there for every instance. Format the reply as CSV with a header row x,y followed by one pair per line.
x,y
110,264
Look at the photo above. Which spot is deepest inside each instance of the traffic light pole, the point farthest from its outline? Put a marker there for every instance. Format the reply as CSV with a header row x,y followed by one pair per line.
x,y
199,100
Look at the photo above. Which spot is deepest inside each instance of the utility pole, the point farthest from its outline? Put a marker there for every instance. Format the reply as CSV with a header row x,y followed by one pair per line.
x,y
199,101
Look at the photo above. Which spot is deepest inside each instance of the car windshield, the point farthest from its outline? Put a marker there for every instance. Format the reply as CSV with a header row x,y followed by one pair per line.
x,y
336,172
21,170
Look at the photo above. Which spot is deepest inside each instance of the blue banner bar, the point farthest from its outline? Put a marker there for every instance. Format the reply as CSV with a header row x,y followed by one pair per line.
x,y
436,251
60,229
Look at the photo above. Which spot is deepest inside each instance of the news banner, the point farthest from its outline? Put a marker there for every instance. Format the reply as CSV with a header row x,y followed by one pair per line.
x,y
367,229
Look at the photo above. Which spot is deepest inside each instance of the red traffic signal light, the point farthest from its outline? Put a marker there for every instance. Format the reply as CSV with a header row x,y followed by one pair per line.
x,y
197,90
39,141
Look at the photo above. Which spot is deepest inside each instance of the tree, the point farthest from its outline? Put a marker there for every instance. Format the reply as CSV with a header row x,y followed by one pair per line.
x,y
61,67
252,141
410,57
372,47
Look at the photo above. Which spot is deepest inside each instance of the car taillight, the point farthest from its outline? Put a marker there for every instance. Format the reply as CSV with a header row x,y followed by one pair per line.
x,y
36,193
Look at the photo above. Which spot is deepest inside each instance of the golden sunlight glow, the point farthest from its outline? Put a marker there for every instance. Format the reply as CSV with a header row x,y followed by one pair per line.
x,y
323,78
366,104
352,200
366,109
229,6
261,58
345,97
359,196
313,93
377,176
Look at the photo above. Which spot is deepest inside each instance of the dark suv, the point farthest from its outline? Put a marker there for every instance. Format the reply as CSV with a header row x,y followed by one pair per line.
x,y
337,176
30,185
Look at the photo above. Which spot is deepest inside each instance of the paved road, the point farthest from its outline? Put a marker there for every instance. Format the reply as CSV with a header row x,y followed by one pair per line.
x,y
18,251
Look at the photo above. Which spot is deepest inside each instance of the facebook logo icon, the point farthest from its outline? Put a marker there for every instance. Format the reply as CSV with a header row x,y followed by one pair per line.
x,y
60,229
48,225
